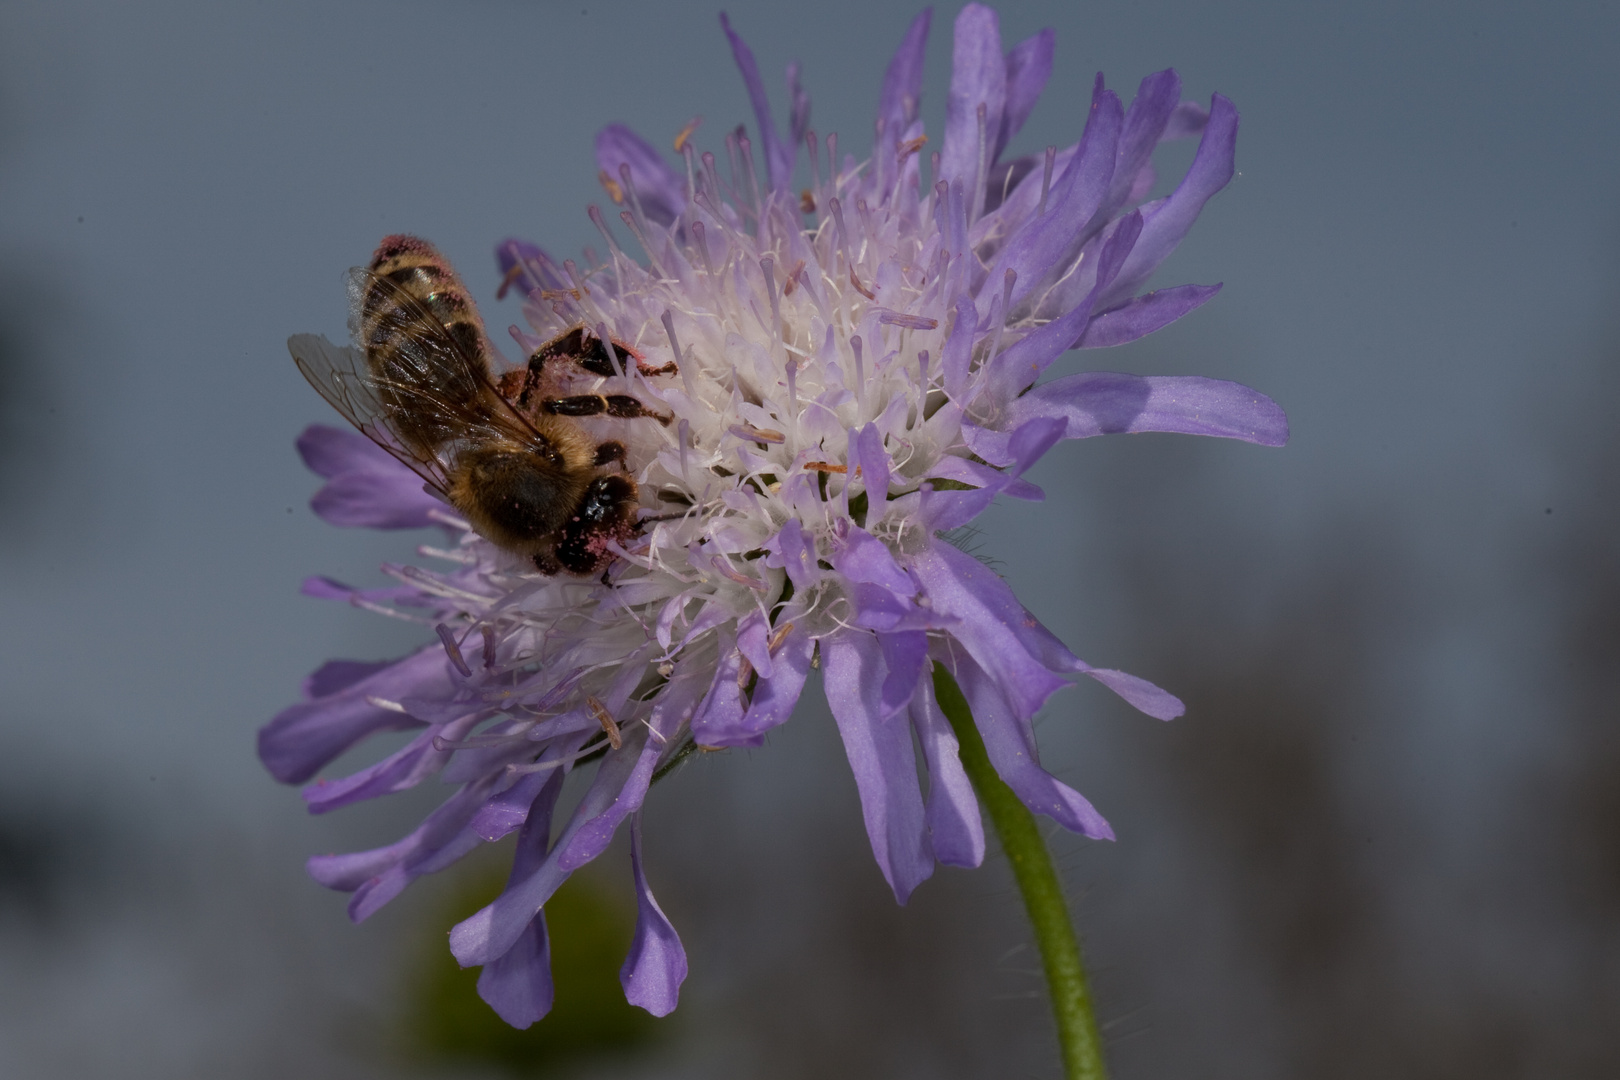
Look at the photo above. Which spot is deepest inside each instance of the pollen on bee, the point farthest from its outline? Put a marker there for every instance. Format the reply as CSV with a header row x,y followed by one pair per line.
x,y
605,718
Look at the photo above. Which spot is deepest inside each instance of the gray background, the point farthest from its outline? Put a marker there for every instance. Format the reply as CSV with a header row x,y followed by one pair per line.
x,y
1385,840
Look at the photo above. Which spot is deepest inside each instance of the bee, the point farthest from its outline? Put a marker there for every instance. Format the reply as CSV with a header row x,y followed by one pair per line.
x,y
514,461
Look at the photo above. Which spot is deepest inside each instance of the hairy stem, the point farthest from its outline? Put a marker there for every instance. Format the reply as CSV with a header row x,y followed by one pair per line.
x,y
1042,891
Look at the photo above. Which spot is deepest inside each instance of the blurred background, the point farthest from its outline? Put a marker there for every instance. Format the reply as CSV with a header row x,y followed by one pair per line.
x,y
1384,841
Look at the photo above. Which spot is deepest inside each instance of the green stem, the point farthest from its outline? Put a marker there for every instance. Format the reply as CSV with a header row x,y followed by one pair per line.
x,y
1038,882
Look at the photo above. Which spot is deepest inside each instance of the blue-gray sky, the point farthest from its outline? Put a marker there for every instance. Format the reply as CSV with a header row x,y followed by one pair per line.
x,y
1418,257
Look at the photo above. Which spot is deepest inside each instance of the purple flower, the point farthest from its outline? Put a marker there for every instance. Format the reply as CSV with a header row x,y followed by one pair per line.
x,y
849,390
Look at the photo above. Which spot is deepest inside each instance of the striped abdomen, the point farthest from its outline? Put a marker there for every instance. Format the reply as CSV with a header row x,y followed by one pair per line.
x,y
432,350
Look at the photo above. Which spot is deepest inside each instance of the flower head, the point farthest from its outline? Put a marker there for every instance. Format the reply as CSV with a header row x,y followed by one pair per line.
x,y
856,372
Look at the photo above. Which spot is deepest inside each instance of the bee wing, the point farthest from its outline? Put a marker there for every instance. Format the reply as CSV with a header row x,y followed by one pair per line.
x,y
339,374
425,356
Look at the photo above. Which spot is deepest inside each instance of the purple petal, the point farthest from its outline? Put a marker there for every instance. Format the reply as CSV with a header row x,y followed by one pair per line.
x,y
753,641
1106,403
863,557
525,267
1032,440
994,627
722,709
304,737
377,876
1157,703
901,96
653,972
335,675
874,461
791,549
509,809
366,487
954,826
1169,221
978,77
778,158
517,984
1142,315
774,698
661,191
905,655
957,355
881,758
1156,99
1050,242
1021,363
399,771
1014,756
495,929
1186,120
941,511
1029,65
798,106
671,709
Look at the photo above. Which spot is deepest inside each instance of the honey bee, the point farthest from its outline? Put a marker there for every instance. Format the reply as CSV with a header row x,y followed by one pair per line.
x,y
514,461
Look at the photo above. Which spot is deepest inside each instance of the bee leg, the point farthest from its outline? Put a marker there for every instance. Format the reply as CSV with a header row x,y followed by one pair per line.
x,y
584,349
622,406
606,513
610,451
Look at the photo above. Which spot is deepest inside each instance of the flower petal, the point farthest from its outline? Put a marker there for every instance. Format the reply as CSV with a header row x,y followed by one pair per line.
x,y
662,193
904,654
993,624
978,77
366,487
1107,403
1165,223
1140,316
880,755
1014,756
901,97
955,827
1029,65
304,737
526,266
517,984
1021,363
1048,244
653,972
775,697
778,158
1145,122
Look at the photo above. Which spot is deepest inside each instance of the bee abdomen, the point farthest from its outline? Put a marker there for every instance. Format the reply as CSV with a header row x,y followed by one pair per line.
x,y
420,271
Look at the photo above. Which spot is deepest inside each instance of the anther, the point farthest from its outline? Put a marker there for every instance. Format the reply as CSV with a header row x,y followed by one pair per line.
x,y
611,186
605,718
777,637
686,133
